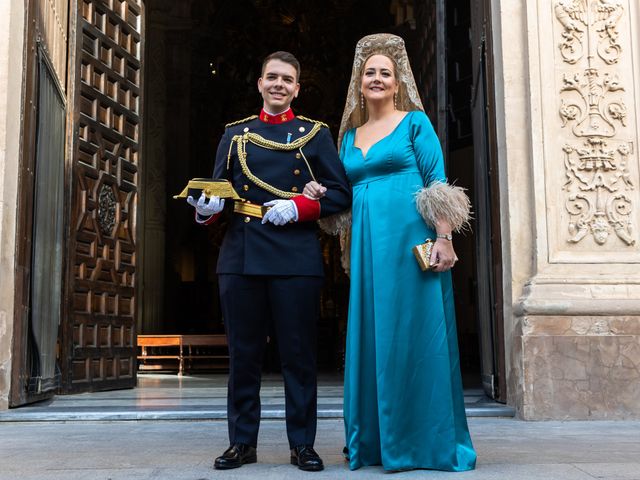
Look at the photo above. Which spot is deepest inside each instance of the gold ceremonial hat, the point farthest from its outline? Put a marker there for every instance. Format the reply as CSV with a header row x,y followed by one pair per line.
x,y
211,187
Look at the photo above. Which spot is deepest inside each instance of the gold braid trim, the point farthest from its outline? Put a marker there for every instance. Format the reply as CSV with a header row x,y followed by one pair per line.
x,y
260,141
322,124
308,166
241,121
285,147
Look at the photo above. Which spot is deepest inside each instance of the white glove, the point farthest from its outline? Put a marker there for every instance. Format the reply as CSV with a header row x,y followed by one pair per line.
x,y
204,208
281,212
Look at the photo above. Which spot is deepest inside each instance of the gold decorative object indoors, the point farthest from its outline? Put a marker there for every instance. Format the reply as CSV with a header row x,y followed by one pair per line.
x,y
212,187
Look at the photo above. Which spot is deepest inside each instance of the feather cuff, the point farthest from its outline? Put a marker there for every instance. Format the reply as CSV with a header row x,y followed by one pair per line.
x,y
336,224
441,201
340,224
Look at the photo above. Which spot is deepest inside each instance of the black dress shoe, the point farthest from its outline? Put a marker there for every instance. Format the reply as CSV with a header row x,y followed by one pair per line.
x,y
235,456
306,458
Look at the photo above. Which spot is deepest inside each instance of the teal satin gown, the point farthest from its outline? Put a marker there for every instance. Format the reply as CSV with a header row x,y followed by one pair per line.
x,y
403,397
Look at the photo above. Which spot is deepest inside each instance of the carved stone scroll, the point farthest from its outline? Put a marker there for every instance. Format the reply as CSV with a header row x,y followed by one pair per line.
x,y
596,158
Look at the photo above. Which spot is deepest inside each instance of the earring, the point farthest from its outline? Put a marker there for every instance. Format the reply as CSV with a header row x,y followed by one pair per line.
x,y
395,98
361,101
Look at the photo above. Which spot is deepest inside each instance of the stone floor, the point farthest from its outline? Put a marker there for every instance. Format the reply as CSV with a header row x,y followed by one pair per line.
x,y
184,450
199,397
171,428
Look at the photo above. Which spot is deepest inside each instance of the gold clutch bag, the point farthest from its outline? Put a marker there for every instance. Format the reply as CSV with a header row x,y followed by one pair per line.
x,y
423,254
212,187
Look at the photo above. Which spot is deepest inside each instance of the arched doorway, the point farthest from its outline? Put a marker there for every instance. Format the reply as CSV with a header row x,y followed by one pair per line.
x,y
203,59
166,76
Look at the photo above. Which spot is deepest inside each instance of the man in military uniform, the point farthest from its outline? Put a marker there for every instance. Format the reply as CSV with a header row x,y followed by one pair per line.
x,y
270,264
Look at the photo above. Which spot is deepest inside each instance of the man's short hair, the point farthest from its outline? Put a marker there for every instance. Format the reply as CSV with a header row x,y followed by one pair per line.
x,y
285,57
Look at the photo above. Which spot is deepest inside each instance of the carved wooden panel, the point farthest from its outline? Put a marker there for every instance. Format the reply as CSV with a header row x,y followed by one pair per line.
x,y
105,164
425,66
459,76
51,20
429,67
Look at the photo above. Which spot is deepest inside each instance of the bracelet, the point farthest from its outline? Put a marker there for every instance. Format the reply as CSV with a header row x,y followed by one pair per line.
x,y
446,236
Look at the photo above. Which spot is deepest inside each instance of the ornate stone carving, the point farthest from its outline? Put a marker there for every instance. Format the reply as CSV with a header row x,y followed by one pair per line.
x,y
598,169
593,21
596,115
596,162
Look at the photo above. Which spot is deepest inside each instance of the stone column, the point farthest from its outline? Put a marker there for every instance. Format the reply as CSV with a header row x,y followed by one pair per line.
x,y
575,344
12,24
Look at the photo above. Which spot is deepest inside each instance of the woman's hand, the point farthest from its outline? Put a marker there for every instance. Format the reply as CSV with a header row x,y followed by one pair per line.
x,y
443,257
313,190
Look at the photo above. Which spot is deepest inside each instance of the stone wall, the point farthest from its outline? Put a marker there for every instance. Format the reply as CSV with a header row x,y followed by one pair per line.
x,y
11,53
514,165
571,192
581,367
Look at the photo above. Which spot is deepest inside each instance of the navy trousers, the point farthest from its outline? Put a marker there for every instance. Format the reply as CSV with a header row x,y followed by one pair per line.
x,y
293,304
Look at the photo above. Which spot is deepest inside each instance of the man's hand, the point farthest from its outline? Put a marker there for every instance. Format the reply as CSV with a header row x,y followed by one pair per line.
x,y
204,208
281,212
314,191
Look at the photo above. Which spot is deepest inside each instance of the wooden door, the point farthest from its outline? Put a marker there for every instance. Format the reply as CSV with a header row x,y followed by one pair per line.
x,y
431,64
40,214
486,201
99,330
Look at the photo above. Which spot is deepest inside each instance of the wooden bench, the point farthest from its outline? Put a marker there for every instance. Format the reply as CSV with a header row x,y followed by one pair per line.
x,y
180,348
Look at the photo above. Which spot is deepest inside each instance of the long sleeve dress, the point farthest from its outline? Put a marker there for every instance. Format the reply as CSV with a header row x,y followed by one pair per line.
x,y
403,401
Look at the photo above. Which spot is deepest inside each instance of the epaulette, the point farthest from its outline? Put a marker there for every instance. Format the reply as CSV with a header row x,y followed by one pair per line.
x,y
252,117
322,124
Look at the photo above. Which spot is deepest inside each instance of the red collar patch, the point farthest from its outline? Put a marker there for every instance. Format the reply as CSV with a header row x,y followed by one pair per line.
x,y
275,119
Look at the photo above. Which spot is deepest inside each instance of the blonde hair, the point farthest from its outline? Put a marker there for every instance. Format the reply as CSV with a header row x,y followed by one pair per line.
x,y
373,54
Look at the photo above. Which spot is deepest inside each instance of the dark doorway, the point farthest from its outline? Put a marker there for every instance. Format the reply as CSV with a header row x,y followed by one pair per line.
x,y
203,60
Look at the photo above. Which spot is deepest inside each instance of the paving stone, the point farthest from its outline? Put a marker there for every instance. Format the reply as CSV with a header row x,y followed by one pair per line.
x,y
181,450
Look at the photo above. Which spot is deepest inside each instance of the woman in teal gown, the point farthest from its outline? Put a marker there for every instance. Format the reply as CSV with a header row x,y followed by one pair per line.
x,y
403,397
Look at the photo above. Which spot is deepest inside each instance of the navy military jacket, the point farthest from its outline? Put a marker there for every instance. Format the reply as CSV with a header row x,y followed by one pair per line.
x,y
251,248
